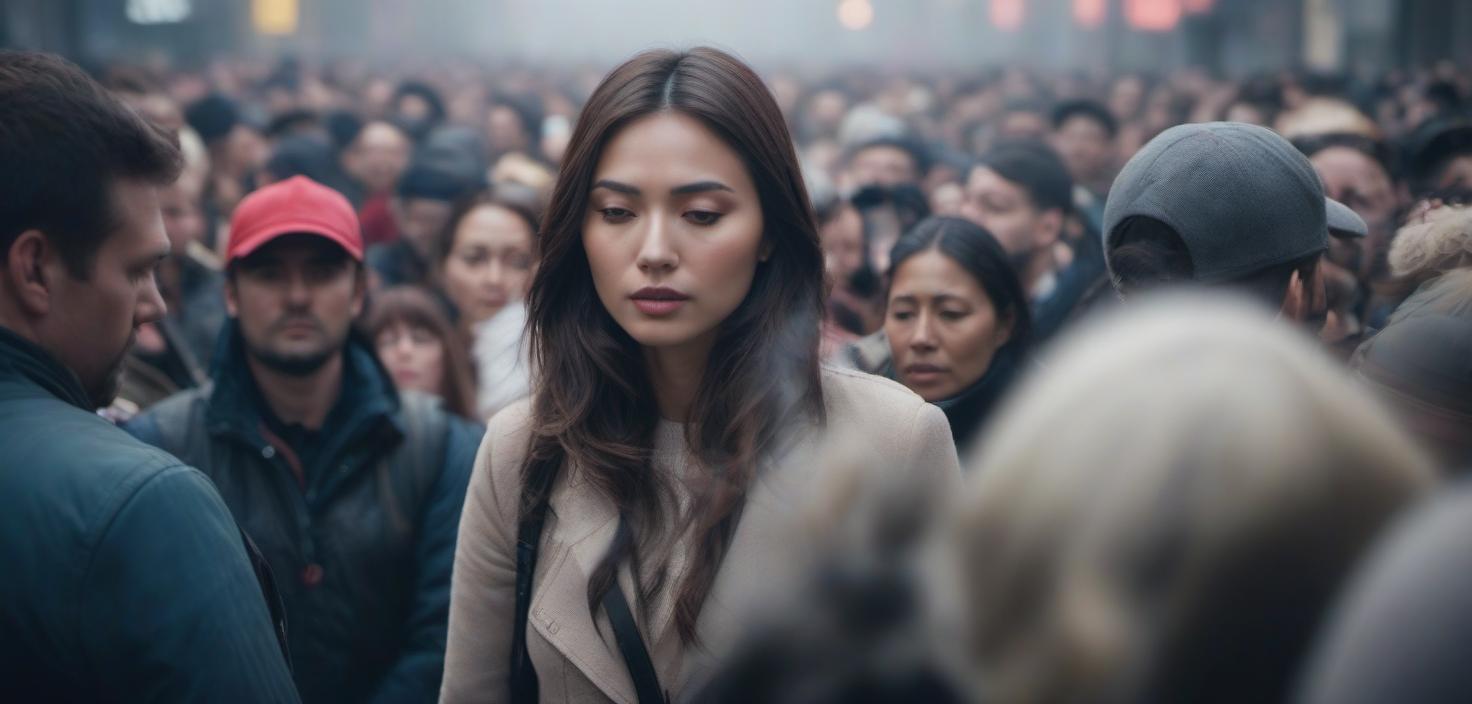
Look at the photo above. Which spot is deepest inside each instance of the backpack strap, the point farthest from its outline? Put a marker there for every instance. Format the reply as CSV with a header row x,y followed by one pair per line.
x,y
524,685
419,458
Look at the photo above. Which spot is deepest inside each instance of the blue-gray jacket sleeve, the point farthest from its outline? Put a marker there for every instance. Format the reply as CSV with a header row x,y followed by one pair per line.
x,y
170,610
417,674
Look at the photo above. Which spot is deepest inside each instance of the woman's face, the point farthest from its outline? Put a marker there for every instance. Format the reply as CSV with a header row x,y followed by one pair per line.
x,y
943,329
490,263
673,231
415,357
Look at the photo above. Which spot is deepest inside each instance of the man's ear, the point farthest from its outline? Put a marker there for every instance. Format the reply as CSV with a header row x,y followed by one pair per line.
x,y
1295,305
30,273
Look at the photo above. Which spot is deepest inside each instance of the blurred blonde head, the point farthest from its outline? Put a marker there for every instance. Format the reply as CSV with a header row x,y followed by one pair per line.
x,y
1439,241
1163,512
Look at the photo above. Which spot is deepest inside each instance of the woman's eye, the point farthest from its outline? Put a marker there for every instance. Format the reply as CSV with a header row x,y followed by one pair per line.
x,y
616,215
901,315
953,314
703,217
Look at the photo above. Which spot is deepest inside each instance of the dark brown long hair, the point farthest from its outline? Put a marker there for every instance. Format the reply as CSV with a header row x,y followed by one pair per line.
x,y
417,308
594,411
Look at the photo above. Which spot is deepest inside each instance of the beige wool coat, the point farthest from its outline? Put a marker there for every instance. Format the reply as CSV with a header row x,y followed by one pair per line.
x,y
577,661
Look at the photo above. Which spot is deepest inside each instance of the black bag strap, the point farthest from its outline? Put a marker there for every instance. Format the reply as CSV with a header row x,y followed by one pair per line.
x,y
523,681
631,645
524,686
275,607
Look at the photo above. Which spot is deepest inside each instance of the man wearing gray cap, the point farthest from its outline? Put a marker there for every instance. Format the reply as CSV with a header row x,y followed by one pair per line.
x,y
1224,204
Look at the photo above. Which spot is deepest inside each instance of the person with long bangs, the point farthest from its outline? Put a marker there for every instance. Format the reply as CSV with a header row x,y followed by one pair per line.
x,y
616,520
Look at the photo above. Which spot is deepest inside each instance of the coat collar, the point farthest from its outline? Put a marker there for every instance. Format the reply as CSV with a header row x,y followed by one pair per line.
x,y
22,358
234,405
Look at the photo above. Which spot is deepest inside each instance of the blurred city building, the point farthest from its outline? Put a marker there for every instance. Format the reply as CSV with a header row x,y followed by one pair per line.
x,y
1232,37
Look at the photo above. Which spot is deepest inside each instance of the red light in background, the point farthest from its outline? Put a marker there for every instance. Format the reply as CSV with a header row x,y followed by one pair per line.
x,y
1007,15
1153,15
1090,13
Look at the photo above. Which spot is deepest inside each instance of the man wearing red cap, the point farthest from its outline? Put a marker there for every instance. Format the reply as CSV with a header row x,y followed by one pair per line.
x,y
352,490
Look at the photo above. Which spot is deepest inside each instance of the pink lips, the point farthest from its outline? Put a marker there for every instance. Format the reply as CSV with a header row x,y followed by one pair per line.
x,y
923,374
658,301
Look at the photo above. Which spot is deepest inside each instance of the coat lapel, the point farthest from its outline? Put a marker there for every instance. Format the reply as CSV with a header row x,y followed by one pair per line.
x,y
583,528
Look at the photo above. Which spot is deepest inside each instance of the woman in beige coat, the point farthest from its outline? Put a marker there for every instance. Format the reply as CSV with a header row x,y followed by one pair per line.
x,y
649,486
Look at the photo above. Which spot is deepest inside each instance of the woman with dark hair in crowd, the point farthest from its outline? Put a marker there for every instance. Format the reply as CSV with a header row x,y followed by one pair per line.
x,y
420,348
674,319
957,320
486,256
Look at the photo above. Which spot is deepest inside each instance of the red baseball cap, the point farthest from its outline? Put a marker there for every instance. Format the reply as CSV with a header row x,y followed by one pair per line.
x,y
296,205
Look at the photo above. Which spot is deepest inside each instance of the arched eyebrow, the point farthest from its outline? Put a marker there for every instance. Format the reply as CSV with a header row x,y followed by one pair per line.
x,y
687,189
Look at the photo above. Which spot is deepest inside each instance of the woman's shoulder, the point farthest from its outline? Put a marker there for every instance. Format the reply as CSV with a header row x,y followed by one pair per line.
x,y
854,398
497,473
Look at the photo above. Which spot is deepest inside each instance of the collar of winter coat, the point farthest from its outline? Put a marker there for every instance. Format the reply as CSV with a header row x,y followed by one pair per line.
x,y
368,395
967,411
25,360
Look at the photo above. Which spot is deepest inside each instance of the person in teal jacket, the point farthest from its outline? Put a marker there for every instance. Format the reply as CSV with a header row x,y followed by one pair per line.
x,y
125,577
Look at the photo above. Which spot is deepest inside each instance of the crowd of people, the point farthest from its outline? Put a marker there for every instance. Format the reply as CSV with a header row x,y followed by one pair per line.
x,y
340,383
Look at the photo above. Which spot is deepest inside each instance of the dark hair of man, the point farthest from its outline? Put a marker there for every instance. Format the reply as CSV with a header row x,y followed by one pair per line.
x,y
424,182
1377,150
1145,253
1037,168
64,141
919,156
1088,109
445,242
978,252
909,206
425,92
327,250
596,409
415,307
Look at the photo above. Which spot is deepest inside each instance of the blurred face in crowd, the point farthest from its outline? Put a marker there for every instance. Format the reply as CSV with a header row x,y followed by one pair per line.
x,y
673,232
413,108
414,356
1006,210
947,199
378,156
242,152
1022,124
1086,148
504,131
295,299
90,323
420,220
943,329
490,262
843,244
1457,173
183,216
1125,97
1246,112
882,165
1358,181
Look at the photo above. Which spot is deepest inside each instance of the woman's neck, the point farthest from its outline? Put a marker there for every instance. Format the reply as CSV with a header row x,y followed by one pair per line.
x,y
675,373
